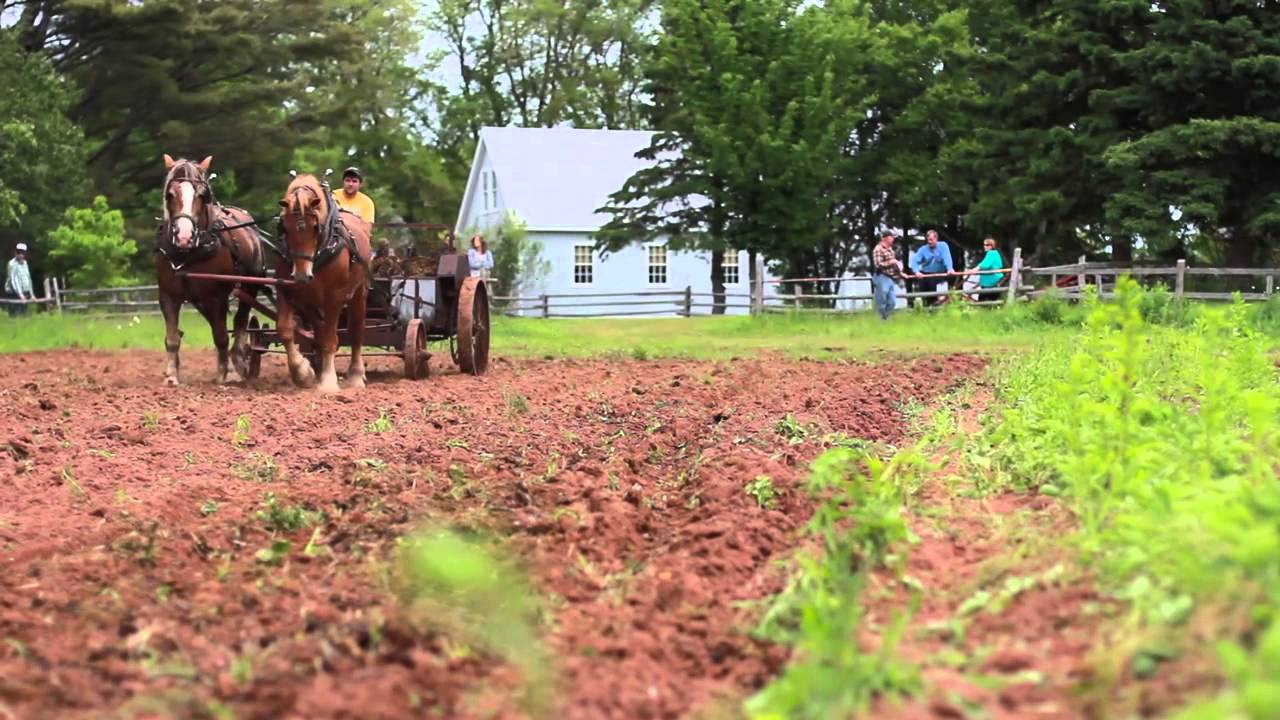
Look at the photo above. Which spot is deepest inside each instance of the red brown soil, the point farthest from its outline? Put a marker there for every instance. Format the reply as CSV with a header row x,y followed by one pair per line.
x,y
620,486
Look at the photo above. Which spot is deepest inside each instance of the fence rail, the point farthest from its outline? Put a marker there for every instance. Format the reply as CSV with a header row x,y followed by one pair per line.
x,y
789,294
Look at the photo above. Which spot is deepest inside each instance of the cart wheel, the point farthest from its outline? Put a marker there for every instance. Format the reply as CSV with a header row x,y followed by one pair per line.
x,y
255,356
417,364
473,327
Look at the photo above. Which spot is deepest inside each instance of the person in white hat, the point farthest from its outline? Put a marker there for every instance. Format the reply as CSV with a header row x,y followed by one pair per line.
x,y
17,282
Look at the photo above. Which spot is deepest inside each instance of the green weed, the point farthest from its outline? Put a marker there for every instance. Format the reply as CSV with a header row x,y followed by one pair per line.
x,y
763,491
380,424
1160,429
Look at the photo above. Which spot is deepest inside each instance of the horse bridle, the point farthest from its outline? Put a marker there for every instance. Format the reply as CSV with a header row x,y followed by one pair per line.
x,y
205,192
326,238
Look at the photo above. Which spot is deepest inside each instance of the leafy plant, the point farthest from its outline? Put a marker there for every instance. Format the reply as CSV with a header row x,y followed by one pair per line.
x,y
763,491
461,587
286,518
380,424
858,525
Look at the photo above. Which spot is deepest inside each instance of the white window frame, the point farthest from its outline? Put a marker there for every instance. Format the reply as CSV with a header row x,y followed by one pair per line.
x,y
591,265
493,190
736,265
649,265
484,189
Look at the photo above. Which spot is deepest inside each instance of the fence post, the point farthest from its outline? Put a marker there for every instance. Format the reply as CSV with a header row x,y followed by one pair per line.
x,y
1271,284
1180,281
757,288
688,300
546,306
799,293
57,294
1080,276
1015,277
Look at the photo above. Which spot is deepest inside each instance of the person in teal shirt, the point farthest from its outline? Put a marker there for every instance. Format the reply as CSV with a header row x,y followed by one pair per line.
x,y
991,260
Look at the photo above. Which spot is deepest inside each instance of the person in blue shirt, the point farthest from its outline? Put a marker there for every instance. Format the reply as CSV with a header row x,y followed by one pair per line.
x,y
479,258
934,257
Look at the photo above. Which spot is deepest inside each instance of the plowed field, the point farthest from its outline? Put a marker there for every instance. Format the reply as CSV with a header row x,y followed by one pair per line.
x,y
141,571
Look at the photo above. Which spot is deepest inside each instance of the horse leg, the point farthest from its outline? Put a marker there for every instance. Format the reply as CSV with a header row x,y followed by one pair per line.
x,y
327,346
355,326
215,311
171,308
299,369
239,343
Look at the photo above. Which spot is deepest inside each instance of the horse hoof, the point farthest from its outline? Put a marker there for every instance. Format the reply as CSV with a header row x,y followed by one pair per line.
x,y
325,389
355,382
171,380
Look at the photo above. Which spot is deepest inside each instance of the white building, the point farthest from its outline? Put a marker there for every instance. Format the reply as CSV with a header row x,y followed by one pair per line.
x,y
552,180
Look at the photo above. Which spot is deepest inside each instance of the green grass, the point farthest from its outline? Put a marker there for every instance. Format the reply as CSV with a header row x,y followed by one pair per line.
x,y
701,337
46,331
955,329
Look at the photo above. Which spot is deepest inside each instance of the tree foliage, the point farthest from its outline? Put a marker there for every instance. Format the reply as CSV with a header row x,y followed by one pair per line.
x,y
536,63
90,247
41,151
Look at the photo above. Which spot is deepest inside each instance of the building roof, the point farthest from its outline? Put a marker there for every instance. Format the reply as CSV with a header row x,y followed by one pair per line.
x,y
555,178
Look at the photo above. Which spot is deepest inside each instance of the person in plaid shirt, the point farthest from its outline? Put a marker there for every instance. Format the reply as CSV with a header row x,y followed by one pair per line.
x,y
886,274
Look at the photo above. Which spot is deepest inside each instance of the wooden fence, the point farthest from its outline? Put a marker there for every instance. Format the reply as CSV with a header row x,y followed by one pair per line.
x,y
791,295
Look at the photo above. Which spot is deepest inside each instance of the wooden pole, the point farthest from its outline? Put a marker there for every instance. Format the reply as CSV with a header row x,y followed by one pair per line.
x,y
1180,281
757,288
688,300
1080,276
1271,284
546,306
799,293
1015,276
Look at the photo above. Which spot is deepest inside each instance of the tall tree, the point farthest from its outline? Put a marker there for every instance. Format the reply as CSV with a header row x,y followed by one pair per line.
x,y
42,153
754,101
536,63
1031,156
246,81
1206,88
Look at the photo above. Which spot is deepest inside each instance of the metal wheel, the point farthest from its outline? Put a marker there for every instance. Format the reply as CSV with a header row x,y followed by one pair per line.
x,y
255,356
416,358
473,327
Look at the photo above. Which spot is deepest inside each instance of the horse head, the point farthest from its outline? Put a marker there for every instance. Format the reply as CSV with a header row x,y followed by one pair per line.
x,y
303,211
187,199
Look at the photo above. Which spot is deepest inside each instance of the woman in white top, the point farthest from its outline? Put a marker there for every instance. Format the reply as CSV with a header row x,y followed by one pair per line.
x,y
479,257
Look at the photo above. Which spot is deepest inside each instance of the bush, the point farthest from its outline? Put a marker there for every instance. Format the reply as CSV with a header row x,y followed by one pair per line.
x,y
1049,308
90,246
1158,306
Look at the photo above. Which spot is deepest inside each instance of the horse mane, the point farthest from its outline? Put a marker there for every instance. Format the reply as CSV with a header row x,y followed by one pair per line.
x,y
309,181
172,174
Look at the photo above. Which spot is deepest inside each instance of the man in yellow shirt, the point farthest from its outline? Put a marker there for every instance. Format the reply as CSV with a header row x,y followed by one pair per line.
x,y
351,199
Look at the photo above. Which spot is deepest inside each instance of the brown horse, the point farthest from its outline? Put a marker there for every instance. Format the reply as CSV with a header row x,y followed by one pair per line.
x,y
199,235
327,255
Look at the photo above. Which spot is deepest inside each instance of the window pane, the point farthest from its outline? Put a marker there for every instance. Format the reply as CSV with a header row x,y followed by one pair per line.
x,y
582,265
657,265
730,264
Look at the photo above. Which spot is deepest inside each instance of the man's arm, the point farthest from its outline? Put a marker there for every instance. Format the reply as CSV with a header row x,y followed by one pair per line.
x,y
946,257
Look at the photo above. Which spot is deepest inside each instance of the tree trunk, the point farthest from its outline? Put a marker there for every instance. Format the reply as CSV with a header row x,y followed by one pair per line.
x,y
717,281
1122,249
1242,250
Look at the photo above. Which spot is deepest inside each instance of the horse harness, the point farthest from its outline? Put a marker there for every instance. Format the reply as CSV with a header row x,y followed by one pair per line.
x,y
207,237
333,236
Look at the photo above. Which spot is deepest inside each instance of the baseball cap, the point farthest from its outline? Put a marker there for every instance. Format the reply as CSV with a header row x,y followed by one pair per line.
x,y
22,247
353,170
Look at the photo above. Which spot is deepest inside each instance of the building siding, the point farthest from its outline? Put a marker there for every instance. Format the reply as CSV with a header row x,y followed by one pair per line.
x,y
627,271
